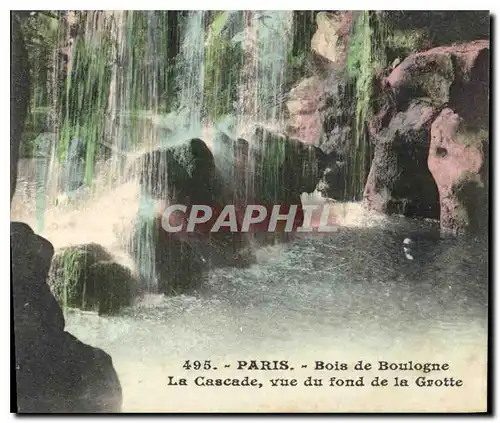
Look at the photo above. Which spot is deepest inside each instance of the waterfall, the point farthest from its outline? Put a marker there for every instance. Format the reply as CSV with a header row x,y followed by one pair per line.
x,y
190,72
129,82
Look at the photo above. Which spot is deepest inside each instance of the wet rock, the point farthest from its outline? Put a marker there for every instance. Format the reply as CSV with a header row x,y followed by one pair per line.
x,y
182,172
331,38
399,180
86,277
334,183
283,167
337,110
55,372
180,267
458,161
304,120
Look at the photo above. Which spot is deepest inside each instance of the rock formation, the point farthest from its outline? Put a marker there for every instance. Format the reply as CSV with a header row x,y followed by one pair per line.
x,y
435,124
55,372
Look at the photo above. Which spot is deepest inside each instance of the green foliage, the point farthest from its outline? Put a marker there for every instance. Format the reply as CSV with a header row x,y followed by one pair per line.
x,y
400,43
366,60
299,56
41,32
222,67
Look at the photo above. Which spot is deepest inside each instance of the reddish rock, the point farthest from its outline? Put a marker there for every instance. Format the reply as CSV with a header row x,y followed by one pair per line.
x,y
304,120
331,40
456,76
458,162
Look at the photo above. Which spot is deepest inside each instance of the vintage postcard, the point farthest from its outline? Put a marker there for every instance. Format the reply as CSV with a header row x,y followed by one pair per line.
x,y
250,211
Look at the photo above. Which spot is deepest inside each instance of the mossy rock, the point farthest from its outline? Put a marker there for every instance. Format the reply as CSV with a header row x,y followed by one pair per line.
x,y
113,285
86,277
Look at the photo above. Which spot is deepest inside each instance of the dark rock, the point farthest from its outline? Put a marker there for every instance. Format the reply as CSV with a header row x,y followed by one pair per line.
x,y
180,267
334,183
284,167
55,372
183,174
467,25
458,161
267,169
165,260
85,277
34,304
114,285
399,180
337,111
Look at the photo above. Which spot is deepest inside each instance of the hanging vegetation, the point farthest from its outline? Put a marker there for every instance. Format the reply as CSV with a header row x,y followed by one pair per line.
x,y
222,67
366,60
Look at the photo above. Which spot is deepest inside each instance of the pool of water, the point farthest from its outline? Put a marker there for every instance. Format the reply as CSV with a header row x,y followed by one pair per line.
x,y
348,295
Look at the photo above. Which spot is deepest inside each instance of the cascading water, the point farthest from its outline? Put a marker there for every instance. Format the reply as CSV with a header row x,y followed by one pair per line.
x,y
190,71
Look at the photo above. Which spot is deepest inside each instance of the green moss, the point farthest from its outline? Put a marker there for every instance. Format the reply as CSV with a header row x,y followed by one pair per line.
x,y
401,43
68,279
114,285
222,66
84,277
366,60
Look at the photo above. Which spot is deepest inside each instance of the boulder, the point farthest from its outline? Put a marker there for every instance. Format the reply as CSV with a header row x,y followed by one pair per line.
x,y
399,180
267,169
55,372
183,173
332,36
283,167
458,161
86,277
